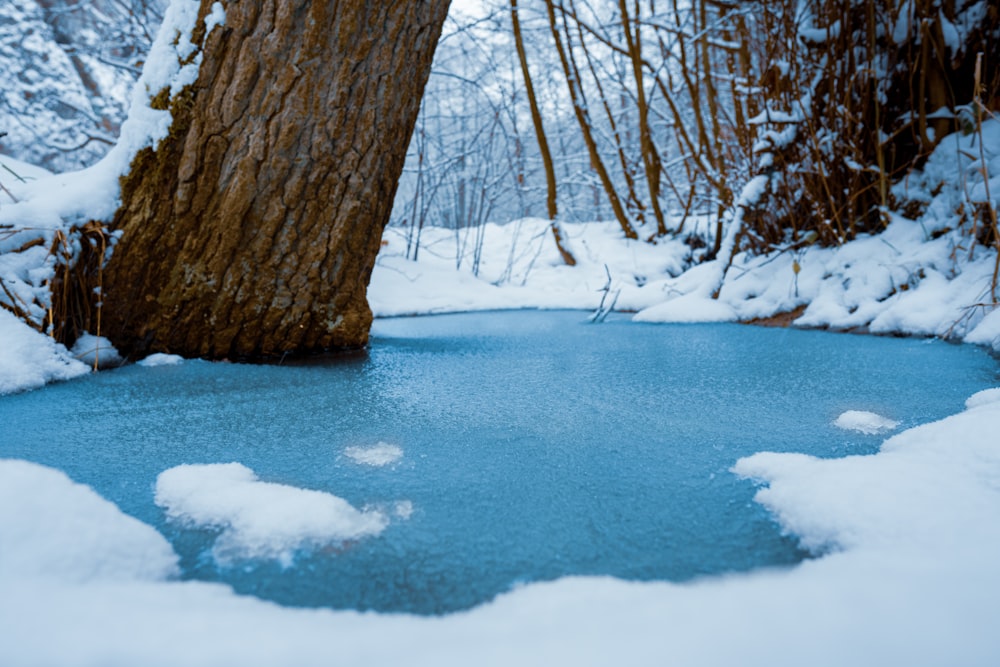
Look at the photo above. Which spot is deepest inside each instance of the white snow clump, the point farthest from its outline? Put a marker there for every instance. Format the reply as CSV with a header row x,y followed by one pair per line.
x,y
259,519
96,351
865,422
377,455
160,359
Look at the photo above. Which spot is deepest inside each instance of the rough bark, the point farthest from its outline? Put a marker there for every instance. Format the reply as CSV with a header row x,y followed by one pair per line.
x,y
252,229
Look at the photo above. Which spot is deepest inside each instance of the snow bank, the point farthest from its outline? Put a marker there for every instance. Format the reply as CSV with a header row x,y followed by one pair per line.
x,y
926,495
29,359
865,422
377,455
917,277
54,528
518,266
259,519
909,576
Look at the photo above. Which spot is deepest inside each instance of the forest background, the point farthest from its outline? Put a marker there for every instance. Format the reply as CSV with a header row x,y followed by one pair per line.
x,y
767,127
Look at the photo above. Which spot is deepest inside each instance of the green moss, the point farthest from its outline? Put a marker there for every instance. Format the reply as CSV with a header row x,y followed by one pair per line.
x,y
161,101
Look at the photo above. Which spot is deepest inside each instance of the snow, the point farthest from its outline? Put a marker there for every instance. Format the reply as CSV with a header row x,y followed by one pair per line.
x,y
984,397
865,422
377,455
259,519
53,528
29,359
161,359
96,351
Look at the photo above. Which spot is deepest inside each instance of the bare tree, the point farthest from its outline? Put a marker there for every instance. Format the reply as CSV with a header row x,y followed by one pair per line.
x,y
543,142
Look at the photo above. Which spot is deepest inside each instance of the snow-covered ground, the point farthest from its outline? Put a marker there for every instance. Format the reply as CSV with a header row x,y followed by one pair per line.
x,y
908,538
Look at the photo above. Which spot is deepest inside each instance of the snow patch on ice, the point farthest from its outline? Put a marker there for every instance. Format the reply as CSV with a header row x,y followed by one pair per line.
x,y
403,509
377,455
865,422
161,359
918,498
96,351
259,519
54,528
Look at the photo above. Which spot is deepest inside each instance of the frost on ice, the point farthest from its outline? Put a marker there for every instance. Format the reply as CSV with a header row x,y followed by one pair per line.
x,y
377,455
259,519
865,422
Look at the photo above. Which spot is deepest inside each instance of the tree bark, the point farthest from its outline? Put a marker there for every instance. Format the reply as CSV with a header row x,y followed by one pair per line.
x,y
251,231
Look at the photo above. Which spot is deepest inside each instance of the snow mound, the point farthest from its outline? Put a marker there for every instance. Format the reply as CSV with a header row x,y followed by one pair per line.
x,y
984,397
160,359
54,528
29,359
919,498
259,519
987,332
96,351
377,455
865,422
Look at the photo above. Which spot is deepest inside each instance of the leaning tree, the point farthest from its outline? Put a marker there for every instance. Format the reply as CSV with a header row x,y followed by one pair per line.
x,y
251,230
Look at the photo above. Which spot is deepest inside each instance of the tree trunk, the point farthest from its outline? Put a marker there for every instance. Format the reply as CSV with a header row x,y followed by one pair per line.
x,y
543,143
252,230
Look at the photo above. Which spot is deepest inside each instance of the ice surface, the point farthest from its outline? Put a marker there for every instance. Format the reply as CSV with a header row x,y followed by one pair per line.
x,y
54,528
259,519
379,454
865,422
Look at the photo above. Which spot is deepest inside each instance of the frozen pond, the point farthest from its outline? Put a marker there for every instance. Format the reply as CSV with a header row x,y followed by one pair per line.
x,y
501,448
